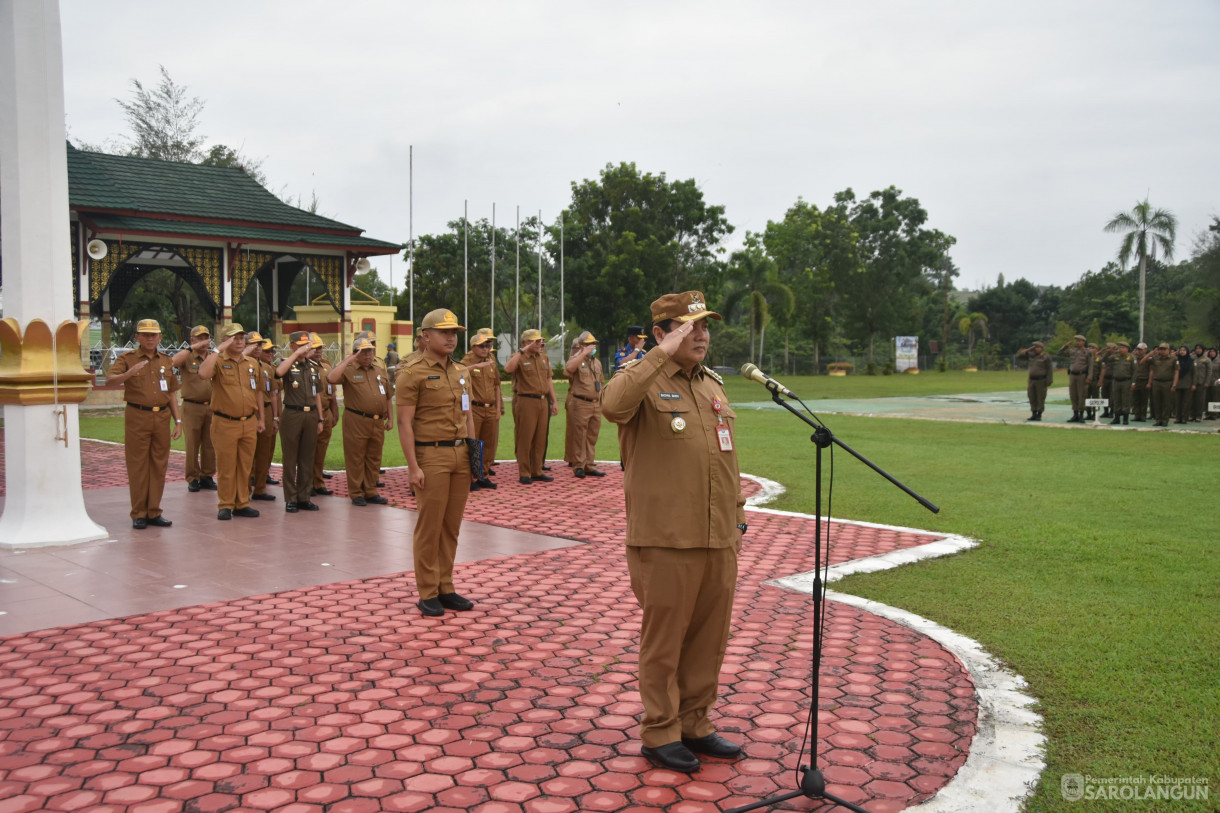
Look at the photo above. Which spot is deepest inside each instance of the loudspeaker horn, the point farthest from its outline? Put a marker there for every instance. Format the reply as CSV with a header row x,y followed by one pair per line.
x,y
363,265
97,249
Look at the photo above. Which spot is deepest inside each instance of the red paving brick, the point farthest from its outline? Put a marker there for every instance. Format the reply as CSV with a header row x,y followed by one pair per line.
x,y
341,697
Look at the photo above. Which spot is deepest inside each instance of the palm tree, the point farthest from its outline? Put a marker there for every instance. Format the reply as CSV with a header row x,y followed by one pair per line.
x,y
753,287
1141,226
975,323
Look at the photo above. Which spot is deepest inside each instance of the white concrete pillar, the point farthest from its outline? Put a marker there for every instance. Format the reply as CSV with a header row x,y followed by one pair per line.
x,y
44,504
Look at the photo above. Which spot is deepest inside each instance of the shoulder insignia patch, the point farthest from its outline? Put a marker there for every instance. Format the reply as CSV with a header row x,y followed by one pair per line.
x,y
709,371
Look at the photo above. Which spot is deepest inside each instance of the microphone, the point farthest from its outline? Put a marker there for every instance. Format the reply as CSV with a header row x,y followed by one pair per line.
x,y
752,372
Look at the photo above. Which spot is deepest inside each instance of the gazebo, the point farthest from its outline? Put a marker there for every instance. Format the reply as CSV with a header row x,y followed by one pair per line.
x,y
216,227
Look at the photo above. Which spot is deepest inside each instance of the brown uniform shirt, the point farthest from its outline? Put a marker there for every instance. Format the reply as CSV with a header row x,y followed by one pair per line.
x,y
325,388
268,384
145,387
440,394
484,381
682,490
533,375
235,386
1162,368
1080,359
1041,366
195,388
301,385
587,381
365,389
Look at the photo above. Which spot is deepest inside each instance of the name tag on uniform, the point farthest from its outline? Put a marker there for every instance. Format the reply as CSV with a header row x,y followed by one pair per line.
x,y
164,385
267,385
465,402
726,438
670,396
434,378
380,385
330,388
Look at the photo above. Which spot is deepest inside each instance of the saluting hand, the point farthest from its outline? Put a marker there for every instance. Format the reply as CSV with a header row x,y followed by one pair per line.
x,y
201,344
137,367
225,345
673,340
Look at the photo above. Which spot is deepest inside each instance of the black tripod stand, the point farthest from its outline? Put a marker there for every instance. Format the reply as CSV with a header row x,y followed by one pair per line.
x,y
812,783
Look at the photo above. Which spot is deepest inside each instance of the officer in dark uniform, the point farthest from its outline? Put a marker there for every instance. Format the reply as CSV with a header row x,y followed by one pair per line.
x,y
330,416
301,421
685,520
149,384
634,349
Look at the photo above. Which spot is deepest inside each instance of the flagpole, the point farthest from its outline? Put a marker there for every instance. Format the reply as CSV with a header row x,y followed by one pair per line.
x,y
493,270
517,326
411,241
466,269
539,270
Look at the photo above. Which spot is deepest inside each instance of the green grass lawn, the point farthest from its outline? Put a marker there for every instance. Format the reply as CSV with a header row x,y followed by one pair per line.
x,y
1097,577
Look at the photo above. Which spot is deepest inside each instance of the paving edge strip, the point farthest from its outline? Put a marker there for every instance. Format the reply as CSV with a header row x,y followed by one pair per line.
x,y
1007,753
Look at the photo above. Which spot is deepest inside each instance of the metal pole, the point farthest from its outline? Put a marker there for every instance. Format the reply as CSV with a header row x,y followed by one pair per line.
x,y
562,323
539,270
411,239
493,270
466,269
517,326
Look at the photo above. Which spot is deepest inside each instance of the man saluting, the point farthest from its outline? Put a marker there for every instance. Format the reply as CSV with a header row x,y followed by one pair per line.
x,y
685,521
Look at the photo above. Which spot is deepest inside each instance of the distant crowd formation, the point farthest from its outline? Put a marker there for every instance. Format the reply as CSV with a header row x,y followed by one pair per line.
x,y
1137,385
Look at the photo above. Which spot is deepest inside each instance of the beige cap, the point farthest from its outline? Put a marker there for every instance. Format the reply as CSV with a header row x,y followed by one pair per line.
x,y
315,340
362,342
482,336
232,330
148,326
440,319
200,330
685,307
586,338
531,335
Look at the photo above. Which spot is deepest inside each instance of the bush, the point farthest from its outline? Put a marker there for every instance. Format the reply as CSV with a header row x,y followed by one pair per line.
x,y
942,364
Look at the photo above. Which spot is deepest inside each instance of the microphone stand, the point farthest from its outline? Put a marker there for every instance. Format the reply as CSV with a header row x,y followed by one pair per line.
x,y
812,783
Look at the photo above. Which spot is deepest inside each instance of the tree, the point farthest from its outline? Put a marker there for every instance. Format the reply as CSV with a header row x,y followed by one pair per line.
x,y
630,237
163,121
220,155
1144,228
754,287
971,326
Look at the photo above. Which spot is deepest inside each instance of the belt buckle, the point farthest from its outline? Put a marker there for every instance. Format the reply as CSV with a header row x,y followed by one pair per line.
x,y
157,409
376,417
305,408
459,442
246,418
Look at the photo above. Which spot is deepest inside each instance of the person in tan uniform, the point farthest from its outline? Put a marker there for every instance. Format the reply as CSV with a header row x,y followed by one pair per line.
x,y
196,412
1080,370
237,418
533,390
583,405
486,400
685,521
300,422
367,416
1139,384
263,351
434,427
330,416
149,384
1041,375
1162,368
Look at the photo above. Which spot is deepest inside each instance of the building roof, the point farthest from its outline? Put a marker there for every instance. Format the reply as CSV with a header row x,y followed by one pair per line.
x,y
118,192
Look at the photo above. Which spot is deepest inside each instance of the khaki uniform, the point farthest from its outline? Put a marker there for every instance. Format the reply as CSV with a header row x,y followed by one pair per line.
x,y
1139,390
440,393
366,405
531,412
684,502
1213,387
146,427
299,429
1203,374
197,420
1183,397
235,400
486,403
1119,374
264,447
1041,375
1080,370
1162,385
583,406
327,391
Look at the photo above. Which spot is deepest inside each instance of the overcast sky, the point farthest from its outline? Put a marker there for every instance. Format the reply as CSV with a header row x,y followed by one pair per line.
x,y
1021,127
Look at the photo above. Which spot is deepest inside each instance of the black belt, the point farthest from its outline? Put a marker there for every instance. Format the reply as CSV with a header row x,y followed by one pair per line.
x,y
481,404
581,397
455,442
528,395
231,418
1037,378
1120,379
363,414
193,401
1082,372
148,409
299,408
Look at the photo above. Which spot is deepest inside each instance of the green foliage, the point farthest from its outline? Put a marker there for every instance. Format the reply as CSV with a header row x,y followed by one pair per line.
x,y
630,237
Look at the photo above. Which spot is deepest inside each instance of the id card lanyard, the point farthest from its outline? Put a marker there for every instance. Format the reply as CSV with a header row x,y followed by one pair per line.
x,y
722,429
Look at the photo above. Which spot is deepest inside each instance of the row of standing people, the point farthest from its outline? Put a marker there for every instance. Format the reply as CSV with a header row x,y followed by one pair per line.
x,y
1137,383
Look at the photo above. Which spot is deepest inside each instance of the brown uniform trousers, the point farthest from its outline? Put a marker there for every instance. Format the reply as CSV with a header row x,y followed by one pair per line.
x,y
197,434
585,418
487,429
146,449
328,424
1162,386
485,401
235,442
530,417
363,439
298,440
264,447
442,501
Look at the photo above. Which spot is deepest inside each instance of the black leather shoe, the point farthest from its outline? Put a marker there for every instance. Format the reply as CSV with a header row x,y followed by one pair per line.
x,y
543,478
160,521
525,481
594,473
358,501
265,497
271,481
208,484
454,601
674,755
431,607
546,468
713,745
323,492
326,475
378,500
139,523
290,507
380,483
485,483
307,506
193,486
246,512
475,485
579,472
224,513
